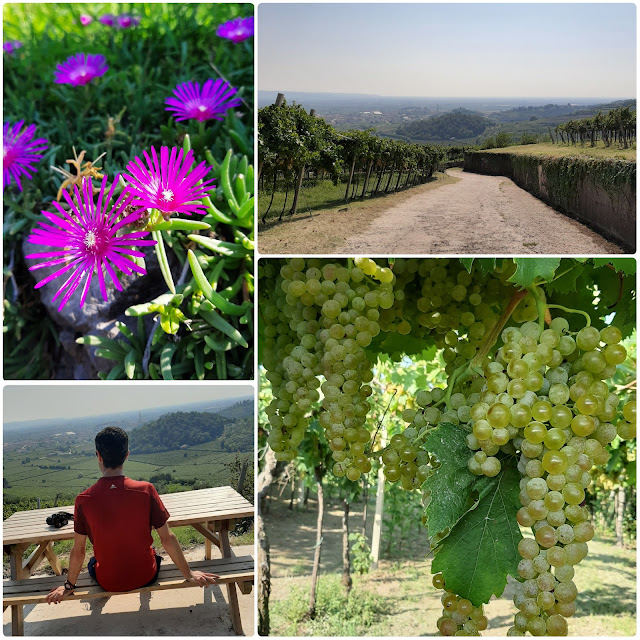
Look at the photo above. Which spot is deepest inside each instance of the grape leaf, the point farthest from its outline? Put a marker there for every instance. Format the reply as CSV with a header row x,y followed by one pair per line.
x,y
391,343
448,488
566,283
482,549
626,265
467,263
486,265
528,270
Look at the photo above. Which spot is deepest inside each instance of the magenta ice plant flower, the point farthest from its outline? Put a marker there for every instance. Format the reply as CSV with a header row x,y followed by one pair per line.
x,y
236,30
88,239
169,183
81,69
85,19
209,103
126,20
11,46
20,152
107,19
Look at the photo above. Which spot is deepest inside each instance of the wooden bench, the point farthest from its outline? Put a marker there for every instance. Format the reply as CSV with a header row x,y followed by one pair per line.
x,y
17,593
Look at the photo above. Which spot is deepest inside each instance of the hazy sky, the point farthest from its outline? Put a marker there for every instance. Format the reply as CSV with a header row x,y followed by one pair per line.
x,y
77,401
449,50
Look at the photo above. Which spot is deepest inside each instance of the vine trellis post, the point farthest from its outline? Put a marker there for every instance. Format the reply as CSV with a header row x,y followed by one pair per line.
x,y
377,520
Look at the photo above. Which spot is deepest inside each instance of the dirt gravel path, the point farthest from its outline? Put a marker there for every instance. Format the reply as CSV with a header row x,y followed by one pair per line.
x,y
475,214
478,214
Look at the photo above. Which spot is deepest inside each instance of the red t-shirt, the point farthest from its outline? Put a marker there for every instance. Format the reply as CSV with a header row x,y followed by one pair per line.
x,y
117,514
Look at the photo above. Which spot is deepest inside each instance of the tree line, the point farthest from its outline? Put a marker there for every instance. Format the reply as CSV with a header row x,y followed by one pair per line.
x,y
618,126
293,144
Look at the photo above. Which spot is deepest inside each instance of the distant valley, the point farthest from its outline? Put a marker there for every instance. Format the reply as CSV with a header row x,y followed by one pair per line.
x,y
447,121
195,446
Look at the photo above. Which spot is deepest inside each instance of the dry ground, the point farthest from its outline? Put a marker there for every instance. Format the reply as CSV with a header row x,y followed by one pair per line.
x,y
470,214
606,580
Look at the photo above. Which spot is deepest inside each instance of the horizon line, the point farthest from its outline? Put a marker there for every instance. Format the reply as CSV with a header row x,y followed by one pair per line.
x,y
377,95
118,412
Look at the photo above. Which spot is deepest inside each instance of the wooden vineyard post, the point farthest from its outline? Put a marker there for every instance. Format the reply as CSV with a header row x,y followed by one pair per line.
x,y
366,180
265,478
296,194
377,520
347,581
353,167
301,490
365,500
279,100
316,557
620,502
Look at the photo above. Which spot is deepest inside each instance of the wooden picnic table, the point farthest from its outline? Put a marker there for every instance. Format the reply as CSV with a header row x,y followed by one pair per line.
x,y
210,511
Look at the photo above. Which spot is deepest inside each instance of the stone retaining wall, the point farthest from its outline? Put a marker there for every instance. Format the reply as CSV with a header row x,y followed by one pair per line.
x,y
599,192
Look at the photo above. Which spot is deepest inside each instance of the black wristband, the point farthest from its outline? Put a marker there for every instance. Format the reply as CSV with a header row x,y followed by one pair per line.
x,y
68,586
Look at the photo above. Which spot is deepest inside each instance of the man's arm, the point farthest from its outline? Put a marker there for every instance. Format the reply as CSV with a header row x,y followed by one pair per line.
x,y
76,560
172,547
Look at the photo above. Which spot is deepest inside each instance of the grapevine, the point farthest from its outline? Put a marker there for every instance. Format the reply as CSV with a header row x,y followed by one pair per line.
x,y
529,398
293,143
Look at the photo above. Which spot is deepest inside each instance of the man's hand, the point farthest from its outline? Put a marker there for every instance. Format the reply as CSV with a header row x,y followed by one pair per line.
x,y
203,579
58,595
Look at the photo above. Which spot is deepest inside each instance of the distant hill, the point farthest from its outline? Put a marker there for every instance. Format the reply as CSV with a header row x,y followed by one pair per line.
x,y
457,124
568,111
242,409
175,430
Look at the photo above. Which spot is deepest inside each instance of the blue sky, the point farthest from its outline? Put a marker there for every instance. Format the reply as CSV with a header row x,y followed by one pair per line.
x,y
449,50
22,402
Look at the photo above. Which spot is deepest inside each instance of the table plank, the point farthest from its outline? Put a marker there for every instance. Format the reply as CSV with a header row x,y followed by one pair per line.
x,y
215,494
38,517
241,563
202,505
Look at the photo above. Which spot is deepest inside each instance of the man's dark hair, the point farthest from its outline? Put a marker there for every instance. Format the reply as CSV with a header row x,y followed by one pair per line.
x,y
112,443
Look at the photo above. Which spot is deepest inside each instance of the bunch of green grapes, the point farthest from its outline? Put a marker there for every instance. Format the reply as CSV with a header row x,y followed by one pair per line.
x,y
289,356
510,401
569,428
440,299
318,317
349,321
404,459
459,617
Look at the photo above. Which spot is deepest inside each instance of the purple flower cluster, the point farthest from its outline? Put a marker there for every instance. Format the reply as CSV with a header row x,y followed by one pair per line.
x,y
80,69
20,152
88,239
85,238
209,103
236,30
123,21
11,46
93,238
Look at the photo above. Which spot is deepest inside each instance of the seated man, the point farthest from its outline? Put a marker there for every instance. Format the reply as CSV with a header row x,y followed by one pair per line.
x,y
117,514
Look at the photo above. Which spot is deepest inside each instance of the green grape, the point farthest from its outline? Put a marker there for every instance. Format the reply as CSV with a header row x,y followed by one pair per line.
x,y
588,338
